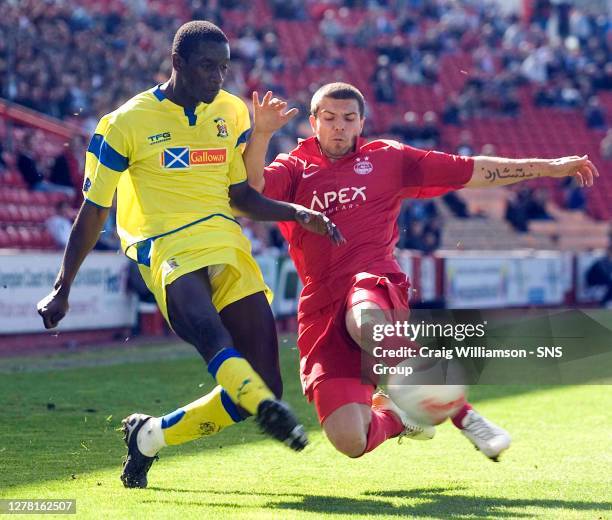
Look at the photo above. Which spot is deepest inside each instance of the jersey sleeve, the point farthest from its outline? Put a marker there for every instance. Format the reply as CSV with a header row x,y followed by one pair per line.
x,y
243,125
279,179
427,173
107,157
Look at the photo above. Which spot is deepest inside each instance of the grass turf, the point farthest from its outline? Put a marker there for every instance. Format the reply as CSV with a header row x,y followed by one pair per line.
x,y
58,439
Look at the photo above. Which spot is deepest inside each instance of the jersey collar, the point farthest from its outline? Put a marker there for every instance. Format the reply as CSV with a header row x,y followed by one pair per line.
x,y
190,113
311,147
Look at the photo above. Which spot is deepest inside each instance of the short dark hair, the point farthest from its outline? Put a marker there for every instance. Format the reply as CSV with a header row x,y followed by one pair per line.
x,y
337,90
191,34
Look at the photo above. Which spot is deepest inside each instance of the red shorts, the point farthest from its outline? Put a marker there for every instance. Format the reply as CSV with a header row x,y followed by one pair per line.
x,y
330,394
326,349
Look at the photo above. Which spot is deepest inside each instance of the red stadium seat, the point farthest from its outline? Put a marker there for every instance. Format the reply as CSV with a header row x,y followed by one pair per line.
x,y
12,178
39,197
5,239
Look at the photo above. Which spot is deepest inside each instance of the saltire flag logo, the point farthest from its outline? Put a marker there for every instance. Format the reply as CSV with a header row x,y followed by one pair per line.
x,y
184,157
177,157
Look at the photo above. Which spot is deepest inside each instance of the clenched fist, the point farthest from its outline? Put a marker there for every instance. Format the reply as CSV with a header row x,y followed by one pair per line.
x,y
52,308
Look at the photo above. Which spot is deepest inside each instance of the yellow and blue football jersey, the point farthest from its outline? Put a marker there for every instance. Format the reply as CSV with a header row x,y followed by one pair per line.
x,y
171,167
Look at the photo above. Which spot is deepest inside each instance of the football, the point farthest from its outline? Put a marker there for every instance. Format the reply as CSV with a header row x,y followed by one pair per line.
x,y
427,404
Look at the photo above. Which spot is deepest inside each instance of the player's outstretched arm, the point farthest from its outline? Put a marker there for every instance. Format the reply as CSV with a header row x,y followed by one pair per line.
x,y
83,237
497,171
269,115
255,206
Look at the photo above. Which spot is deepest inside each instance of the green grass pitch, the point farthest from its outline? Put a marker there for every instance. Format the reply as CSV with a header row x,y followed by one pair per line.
x,y
58,439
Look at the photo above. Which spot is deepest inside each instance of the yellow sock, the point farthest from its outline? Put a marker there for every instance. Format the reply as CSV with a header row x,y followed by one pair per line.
x,y
236,375
206,416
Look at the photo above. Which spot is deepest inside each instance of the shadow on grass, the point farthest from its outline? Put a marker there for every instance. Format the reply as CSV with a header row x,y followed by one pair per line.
x,y
441,502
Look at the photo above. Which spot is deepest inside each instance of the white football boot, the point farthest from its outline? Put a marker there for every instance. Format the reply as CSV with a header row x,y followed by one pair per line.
x,y
412,430
487,437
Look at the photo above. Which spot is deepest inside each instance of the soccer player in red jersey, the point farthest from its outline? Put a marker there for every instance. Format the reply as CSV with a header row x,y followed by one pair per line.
x,y
361,185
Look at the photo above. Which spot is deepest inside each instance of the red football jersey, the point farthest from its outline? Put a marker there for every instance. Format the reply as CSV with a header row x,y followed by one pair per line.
x,y
362,194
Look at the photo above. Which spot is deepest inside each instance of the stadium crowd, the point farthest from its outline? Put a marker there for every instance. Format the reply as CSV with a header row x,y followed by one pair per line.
x,y
78,59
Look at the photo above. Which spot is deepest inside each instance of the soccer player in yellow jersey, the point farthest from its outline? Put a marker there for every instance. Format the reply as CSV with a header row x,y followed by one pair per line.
x,y
173,154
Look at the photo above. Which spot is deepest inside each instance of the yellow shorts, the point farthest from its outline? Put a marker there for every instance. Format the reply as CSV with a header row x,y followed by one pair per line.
x,y
233,272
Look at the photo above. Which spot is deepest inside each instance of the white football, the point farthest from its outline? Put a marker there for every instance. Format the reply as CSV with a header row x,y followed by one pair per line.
x,y
427,404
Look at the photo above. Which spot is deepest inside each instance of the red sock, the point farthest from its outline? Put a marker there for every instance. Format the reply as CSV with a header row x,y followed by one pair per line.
x,y
383,426
458,417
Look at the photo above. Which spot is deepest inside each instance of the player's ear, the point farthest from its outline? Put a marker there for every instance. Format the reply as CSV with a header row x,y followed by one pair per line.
x,y
361,123
178,63
313,123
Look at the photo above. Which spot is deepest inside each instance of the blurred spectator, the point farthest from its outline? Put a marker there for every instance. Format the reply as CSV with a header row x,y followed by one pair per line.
x,y
429,68
469,101
271,52
421,235
451,114
488,150
509,102
546,96
535,66
605,146
527,204
324,54
331,29
412,235
259,235
408,130
60,224
431,240
574,197
602,80
248,46
2,158
516,213
594,114
67,168
570,95
600,275
420,226
201,10
26,163
316,55
466,144
335,57
28,167
277,242
3,139
537,201
430,131
288,9
384,88
456,204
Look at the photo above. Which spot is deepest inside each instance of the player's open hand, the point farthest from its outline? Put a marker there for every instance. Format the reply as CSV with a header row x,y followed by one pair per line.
x,y
320,224
270,115
583,170
52,308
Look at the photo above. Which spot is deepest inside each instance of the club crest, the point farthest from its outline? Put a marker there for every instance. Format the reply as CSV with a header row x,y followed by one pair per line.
x,y
363,167
221,127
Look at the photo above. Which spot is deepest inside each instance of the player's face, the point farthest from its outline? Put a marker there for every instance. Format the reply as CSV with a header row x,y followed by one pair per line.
x,y
337,126
205,70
